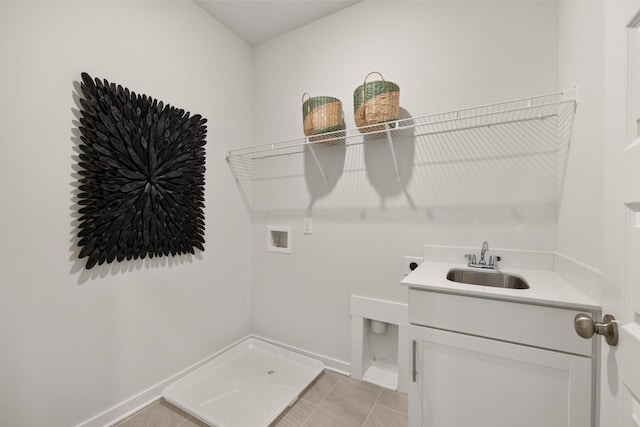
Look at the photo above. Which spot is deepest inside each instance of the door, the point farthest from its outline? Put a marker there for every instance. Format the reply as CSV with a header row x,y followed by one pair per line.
x,y
620,366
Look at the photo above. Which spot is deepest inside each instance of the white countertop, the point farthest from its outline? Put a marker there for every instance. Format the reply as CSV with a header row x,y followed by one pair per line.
x,y
546,287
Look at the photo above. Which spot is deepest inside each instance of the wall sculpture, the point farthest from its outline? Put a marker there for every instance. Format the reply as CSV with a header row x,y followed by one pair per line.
x,y
142,164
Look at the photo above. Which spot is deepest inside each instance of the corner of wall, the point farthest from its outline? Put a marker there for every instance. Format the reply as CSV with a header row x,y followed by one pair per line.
x,y
586,278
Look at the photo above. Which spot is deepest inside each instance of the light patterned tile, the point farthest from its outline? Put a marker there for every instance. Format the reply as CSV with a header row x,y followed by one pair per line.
x,y
284,422
323,418
193,422
296,415
321,386
348,388
158,414
383,417
348,404
344,402
394,400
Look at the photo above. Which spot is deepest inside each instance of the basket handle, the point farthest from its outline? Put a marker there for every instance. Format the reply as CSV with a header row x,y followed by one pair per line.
x,y
373,72
364,104
308,96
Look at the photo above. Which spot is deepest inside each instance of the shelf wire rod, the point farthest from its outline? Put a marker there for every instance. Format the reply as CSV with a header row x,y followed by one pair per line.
x,y
324,177
415,123
486,125
393,152
239,184
477,116
279,154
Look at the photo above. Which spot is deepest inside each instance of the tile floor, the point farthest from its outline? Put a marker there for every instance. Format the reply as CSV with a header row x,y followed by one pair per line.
x,y
332,400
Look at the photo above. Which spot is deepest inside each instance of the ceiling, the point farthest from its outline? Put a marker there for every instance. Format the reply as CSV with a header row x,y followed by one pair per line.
x,y
257,21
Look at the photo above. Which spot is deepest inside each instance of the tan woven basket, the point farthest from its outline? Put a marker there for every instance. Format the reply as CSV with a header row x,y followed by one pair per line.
x,y
321,114
375,102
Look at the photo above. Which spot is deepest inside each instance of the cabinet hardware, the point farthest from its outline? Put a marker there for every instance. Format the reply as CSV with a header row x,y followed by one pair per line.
x,y
415,372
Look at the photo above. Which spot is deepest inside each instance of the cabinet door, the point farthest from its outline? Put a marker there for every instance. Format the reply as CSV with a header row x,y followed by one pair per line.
x,y
463,380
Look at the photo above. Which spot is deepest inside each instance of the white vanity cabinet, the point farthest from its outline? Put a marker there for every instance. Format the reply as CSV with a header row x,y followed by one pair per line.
x,y
485,362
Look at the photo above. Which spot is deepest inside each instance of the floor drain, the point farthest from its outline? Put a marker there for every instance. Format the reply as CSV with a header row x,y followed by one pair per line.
x,y
270,372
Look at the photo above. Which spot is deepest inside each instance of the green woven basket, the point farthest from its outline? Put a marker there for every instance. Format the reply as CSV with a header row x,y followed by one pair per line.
x,y
322,114
375,102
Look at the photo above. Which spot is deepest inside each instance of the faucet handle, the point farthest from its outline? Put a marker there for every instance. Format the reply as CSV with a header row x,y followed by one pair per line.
x,y
471,258
494,259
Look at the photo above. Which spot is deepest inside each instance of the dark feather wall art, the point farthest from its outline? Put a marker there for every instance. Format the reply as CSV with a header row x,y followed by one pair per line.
x,y
142,167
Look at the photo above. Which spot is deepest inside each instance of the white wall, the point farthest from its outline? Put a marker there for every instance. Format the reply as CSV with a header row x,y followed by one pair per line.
x,y
76,342
444,55
581,63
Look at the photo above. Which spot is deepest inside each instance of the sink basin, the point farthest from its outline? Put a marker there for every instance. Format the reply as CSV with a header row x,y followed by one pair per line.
x,y
487,278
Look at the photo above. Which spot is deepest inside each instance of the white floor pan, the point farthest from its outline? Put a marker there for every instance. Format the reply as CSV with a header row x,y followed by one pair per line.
x,y
247,386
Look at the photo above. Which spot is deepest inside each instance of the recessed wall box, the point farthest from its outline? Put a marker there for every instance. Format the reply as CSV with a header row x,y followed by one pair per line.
x,y
279,239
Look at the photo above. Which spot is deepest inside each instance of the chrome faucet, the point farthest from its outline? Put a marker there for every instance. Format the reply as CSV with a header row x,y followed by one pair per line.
x,y
485,248
493,259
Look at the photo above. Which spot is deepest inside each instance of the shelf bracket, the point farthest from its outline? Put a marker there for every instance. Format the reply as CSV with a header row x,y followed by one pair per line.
x,y
313,153
393,152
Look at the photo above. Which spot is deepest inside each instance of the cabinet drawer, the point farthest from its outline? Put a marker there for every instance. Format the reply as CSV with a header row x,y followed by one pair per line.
x,y
533,325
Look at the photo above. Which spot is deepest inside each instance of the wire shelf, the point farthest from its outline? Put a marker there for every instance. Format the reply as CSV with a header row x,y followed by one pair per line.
x,y
541,123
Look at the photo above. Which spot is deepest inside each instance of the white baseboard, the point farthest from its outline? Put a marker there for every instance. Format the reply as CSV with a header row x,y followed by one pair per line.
x,y
132,405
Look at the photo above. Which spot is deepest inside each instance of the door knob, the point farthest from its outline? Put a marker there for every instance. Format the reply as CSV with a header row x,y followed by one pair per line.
x,y
586,327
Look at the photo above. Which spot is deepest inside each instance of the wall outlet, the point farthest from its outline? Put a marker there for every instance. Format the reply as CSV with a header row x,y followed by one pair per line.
x,y
411,263
308,226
